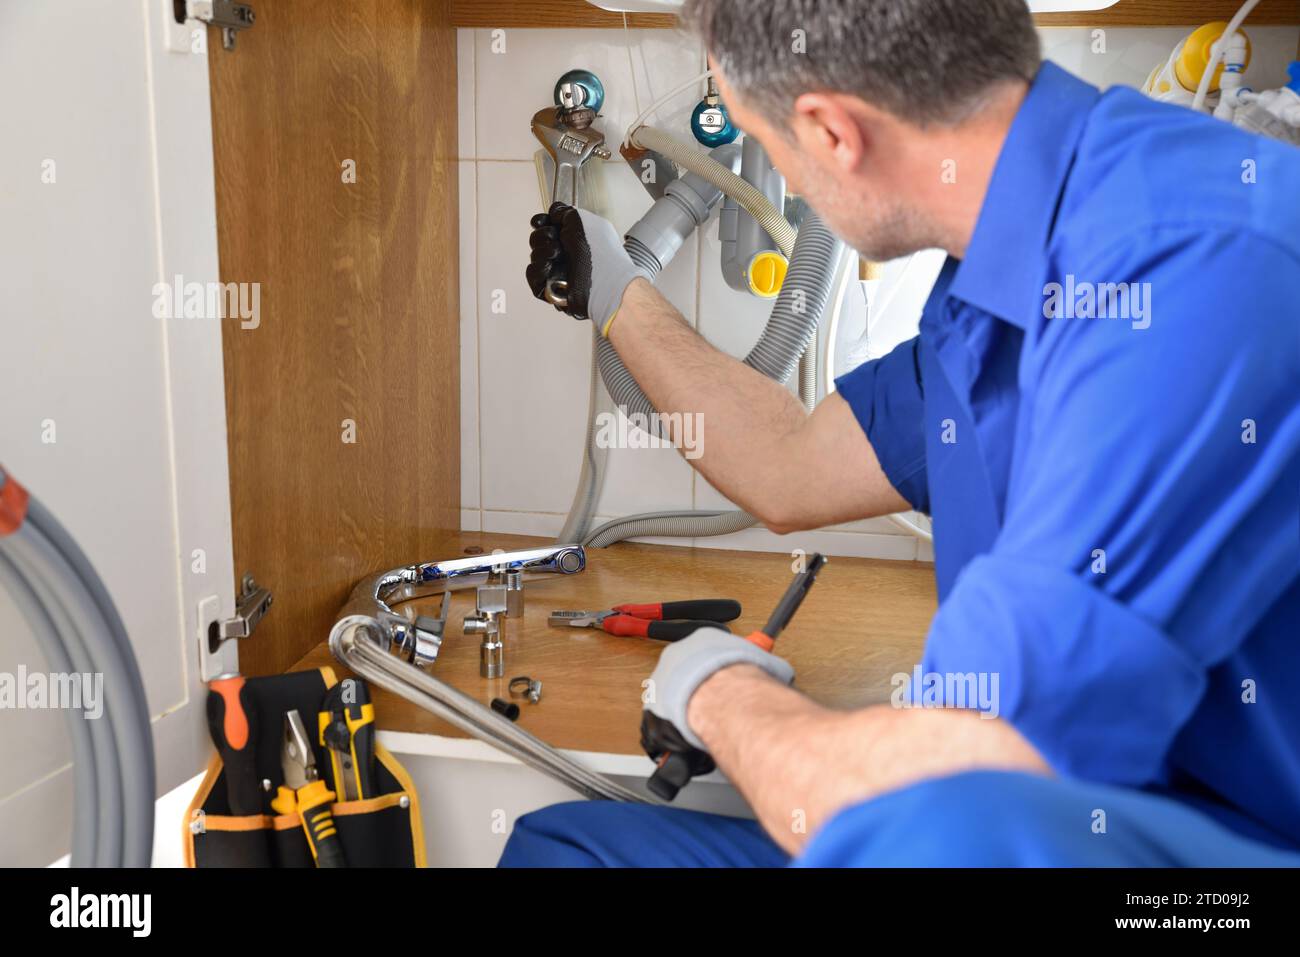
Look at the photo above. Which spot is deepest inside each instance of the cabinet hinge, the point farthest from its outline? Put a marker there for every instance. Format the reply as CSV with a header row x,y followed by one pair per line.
x,y
254,602
226,15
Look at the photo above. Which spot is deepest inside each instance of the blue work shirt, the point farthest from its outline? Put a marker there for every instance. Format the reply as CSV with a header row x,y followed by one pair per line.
x,y
1114,470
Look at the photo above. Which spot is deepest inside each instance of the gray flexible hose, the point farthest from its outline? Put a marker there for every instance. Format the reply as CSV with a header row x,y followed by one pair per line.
x,y
78,621
139,764
687,524
50,556
594,456
808,376
138,702
106,800
85,823
799,307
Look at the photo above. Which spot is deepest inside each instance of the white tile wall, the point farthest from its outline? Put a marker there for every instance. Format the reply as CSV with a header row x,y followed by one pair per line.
x,y
524,369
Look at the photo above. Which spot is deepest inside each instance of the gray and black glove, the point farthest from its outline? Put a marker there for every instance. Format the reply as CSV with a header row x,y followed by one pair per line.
x,y
582,256
666,735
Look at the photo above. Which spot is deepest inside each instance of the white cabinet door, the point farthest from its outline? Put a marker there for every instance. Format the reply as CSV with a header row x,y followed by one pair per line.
x,y
114,417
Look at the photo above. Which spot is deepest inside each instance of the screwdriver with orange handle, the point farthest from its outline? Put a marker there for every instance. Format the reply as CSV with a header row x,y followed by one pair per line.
x,y
232,721
676,760
785,609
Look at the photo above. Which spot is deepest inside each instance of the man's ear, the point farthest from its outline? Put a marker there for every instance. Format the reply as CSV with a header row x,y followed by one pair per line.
x,y
831,124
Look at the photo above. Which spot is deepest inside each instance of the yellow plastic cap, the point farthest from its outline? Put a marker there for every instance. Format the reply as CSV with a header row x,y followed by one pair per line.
x,y
1196,56
766,274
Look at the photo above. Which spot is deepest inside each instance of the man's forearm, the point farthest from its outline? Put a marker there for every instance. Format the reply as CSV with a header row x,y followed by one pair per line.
x,y
798,763
744,415
756,442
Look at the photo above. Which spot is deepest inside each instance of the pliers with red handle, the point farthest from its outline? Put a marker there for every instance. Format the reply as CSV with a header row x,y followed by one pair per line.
x,y
665,621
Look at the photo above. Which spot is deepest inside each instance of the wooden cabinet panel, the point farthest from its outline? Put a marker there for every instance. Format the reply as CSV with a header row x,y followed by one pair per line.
x,y
358,299
547,13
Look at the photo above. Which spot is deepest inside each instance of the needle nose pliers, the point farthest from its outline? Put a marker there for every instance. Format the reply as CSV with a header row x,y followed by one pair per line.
x,y
664,621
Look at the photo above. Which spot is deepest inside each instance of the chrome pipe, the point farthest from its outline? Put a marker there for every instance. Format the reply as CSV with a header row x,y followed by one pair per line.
x,y
356,641
387,649
420,639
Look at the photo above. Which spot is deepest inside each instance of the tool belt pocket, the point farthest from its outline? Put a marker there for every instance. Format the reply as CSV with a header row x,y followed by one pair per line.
x,y
378,831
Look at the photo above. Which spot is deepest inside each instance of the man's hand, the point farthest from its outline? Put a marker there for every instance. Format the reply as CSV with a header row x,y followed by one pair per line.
x,y
685,665
666,733
582,255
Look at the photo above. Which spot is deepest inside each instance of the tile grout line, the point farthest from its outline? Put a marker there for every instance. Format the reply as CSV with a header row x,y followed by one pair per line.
x,y
478,331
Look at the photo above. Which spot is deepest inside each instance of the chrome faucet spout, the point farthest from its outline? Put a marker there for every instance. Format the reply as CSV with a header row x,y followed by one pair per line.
x,y
419,639
368,630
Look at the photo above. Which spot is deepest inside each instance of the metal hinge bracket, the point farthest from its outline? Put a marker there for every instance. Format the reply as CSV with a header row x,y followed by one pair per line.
x,y
226,15
254,602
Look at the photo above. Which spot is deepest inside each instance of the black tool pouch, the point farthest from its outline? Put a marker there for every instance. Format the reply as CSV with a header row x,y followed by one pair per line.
x,y
382,831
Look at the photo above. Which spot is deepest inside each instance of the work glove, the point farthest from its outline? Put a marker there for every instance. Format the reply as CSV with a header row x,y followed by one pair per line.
x,y
585,251
683,666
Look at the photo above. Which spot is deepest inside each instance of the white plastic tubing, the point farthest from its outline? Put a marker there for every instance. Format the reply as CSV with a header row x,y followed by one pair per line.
x,y
1219,49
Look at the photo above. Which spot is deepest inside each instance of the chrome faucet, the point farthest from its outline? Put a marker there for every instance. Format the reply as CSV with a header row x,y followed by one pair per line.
x,y
419,639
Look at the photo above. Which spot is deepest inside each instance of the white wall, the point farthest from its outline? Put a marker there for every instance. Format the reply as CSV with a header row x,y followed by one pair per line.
x,y
524,370
138,467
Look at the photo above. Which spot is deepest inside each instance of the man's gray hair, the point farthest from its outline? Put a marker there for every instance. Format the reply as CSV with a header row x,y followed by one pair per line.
x,y
926,61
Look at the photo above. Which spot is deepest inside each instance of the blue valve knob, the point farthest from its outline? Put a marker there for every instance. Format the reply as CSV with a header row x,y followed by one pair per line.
x,y
1294,71
711,124
579,88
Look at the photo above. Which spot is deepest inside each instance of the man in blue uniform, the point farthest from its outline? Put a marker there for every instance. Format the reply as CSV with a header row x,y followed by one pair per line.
x,y
1101,413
